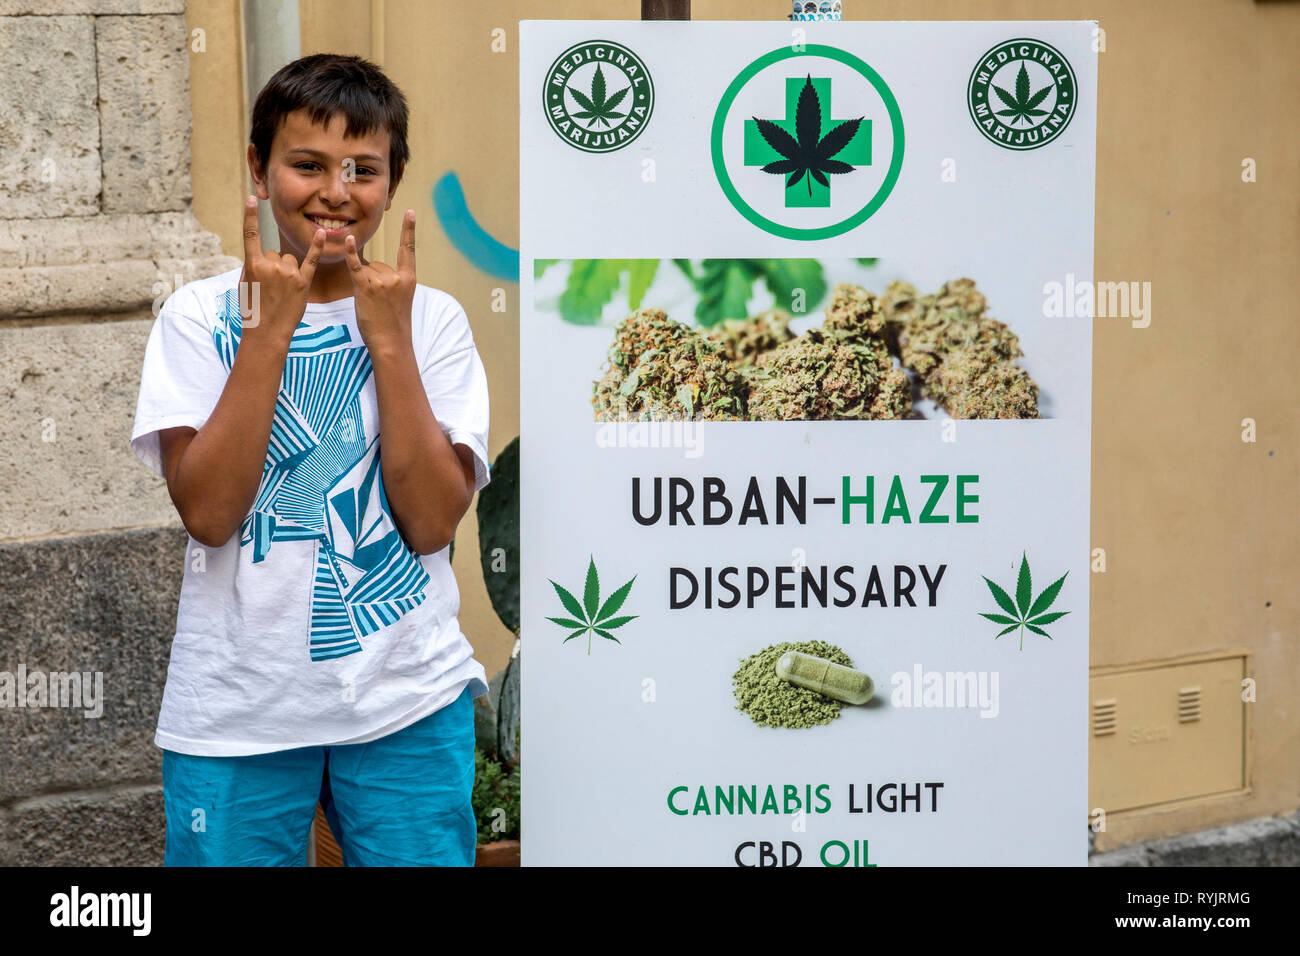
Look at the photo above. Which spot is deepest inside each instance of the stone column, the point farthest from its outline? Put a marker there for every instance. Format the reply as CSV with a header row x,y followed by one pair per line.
x,y
95,231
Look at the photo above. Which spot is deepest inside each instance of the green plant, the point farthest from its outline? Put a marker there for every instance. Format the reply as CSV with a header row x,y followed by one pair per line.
x,y
1026,611
593,282
495,798
496,756
498,535
725,286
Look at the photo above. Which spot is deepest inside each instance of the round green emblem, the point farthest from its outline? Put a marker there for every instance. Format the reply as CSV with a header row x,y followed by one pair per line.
x,y
598,96
802,142
1022,94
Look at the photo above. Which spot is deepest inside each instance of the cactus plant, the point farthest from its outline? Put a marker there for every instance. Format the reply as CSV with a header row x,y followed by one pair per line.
x,y
498,535
496,718
508,713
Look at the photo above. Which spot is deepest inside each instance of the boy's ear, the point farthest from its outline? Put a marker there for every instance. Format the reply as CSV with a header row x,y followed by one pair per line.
x,y
258,174
393,184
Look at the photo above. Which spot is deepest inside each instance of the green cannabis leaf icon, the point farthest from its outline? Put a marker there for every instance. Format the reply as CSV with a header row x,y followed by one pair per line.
x,y
597,108
1022,105
591,614
1026,613
811,153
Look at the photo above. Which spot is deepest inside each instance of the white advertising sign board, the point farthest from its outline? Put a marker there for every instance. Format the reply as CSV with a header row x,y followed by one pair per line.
x,y
888,467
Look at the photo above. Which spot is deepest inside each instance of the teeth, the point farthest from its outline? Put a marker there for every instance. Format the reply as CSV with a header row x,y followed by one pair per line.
x,y
329,223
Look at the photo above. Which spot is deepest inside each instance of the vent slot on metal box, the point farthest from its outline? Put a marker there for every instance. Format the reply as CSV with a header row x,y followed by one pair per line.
x,y
1103,717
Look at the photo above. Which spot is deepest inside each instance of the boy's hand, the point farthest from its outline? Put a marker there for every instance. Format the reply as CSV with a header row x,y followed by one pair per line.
x,y
281,284
384,295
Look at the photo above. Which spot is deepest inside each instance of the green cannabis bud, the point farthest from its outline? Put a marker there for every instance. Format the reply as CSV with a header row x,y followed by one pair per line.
x,y
975,384
965,359
856,313
825,375
743,340
661,370
899,306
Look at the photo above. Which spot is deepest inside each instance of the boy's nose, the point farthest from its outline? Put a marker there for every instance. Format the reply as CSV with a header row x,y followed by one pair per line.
x,y
335,193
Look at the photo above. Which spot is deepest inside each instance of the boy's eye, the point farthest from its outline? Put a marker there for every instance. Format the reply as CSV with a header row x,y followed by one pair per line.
x,y
363,170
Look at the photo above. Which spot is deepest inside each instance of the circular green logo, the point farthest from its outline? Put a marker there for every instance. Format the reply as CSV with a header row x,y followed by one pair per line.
x,y
1022,94
598,96
801,158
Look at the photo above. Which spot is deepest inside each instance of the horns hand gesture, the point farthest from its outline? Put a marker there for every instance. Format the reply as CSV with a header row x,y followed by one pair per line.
x,y
384,295
273,286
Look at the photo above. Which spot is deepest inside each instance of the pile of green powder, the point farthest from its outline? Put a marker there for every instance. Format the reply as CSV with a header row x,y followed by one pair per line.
x,y
772,702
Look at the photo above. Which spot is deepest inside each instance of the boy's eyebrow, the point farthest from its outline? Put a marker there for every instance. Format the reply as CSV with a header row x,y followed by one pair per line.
x,y
317,153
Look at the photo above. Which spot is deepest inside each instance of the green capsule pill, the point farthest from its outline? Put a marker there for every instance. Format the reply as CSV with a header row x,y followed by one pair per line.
x,y
825,677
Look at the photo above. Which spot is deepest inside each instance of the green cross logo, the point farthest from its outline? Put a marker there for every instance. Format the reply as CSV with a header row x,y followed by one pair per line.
x,y
808,143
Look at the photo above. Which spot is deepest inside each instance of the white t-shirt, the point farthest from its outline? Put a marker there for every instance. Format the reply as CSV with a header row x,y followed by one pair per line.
x,y
315,624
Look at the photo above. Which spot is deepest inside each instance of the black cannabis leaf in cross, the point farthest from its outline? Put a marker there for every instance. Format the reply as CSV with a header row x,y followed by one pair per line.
x,y
811,153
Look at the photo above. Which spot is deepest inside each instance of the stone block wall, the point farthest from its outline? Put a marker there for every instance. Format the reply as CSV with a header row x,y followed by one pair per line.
x,y
95,230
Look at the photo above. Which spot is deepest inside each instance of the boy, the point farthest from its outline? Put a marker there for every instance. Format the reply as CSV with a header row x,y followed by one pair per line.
x,y
317,654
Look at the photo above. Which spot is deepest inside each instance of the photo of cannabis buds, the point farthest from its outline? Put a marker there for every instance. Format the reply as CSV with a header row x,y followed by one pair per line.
x,y
662,370
758,369
965,360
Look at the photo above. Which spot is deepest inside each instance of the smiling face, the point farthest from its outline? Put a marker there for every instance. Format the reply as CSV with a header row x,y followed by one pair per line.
x,y
316,178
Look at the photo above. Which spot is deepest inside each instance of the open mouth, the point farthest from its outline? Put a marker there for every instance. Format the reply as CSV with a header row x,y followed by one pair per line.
x,y
331,225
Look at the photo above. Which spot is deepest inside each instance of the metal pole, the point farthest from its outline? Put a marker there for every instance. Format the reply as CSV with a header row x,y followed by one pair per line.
x,y
271,39
665,9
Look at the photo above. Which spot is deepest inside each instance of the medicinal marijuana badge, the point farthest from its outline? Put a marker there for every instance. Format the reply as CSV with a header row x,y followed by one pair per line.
x,y
598,96
1022,94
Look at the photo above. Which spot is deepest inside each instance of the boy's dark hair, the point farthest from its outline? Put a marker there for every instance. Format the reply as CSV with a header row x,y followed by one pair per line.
x,y
328,83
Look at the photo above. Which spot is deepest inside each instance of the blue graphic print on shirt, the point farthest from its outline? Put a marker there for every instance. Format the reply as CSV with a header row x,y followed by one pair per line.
x,y
322,481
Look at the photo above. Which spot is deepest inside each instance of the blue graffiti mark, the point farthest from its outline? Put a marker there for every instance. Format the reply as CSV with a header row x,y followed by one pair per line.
x,y
469,238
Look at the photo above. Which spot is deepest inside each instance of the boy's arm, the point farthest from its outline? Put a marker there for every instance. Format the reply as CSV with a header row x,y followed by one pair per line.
x,y
213,474
429,482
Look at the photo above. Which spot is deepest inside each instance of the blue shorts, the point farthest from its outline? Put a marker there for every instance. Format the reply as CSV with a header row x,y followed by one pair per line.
x,y
401,800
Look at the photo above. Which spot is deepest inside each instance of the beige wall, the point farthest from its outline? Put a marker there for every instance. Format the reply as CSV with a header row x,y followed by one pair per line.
x,y
1200,529
217,168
